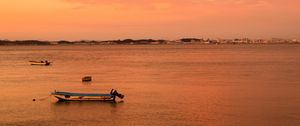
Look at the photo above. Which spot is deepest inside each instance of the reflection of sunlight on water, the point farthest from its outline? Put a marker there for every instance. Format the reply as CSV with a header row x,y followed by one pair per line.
x,y
164,85
85,110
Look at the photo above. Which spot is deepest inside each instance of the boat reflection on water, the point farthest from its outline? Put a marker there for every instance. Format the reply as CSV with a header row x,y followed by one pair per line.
x,y
86,103
96,112
87,83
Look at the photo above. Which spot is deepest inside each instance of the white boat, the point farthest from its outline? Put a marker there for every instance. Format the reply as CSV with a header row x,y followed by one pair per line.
x,y
70,96
46,63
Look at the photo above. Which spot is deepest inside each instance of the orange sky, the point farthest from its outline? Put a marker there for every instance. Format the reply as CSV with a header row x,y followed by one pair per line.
x,y
158,19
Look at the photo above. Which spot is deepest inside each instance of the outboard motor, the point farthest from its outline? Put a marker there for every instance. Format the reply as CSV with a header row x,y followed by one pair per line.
x,y
120,96
115,93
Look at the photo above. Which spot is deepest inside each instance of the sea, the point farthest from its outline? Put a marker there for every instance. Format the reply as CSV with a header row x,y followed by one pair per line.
x,y
164,85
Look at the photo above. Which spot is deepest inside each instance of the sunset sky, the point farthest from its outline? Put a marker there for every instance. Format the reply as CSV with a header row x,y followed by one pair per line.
x,y
157,19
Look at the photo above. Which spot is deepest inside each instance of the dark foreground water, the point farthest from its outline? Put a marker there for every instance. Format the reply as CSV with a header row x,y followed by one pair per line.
x,y
176,85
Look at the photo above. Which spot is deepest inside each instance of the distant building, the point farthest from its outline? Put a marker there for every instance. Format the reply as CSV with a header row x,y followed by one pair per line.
x,y
259,41
241,41
278,40
295,41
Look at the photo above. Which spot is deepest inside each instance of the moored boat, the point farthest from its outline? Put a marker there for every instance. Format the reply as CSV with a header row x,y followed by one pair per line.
x,y
70,96
46,63
87,79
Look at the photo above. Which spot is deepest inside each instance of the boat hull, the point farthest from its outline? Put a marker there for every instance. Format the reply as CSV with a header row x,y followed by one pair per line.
x,y
46,63
68,96
87,79
43,64
84,98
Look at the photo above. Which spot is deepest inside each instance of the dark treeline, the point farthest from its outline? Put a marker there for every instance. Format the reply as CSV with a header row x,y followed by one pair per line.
x,y
24,42
82,42
136,42
153,41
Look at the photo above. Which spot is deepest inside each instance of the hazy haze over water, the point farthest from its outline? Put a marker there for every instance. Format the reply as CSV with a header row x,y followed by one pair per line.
x,y
248,85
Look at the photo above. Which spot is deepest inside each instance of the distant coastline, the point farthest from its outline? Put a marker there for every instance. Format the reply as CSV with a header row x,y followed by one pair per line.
x,y
152,42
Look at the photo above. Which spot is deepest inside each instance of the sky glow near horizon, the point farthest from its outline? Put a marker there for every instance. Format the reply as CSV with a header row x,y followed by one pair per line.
x,y
158,19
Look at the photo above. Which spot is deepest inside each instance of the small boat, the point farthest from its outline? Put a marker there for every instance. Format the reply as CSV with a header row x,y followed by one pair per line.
x,y
87,79
46,63
69,96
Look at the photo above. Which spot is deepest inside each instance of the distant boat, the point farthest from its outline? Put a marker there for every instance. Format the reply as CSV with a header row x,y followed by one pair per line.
x,y
45,63
69,96
87,79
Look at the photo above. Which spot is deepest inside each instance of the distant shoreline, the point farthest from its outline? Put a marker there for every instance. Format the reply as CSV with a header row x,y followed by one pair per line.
x,y
183,41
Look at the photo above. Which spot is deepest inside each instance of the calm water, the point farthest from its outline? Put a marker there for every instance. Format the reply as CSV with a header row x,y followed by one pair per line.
x,y
171,85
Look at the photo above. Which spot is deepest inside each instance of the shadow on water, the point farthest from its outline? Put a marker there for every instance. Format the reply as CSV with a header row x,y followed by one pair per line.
x,y
86,83
88,103
85,110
